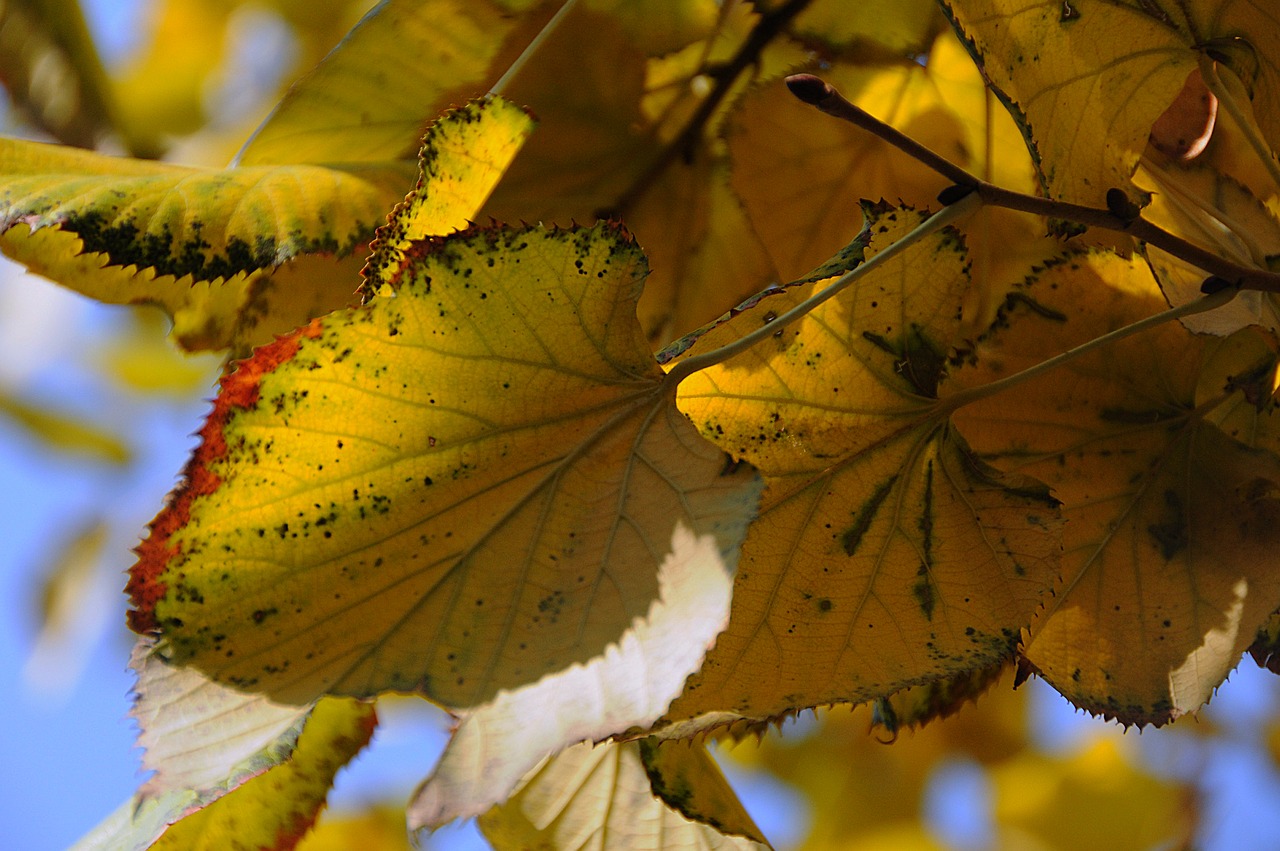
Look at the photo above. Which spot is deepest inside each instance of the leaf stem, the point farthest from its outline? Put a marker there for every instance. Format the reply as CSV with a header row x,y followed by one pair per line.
x,y
532,48
820,94
684,368
1200,305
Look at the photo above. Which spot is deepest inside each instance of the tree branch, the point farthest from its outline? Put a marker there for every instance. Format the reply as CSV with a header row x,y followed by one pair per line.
x,y
822,95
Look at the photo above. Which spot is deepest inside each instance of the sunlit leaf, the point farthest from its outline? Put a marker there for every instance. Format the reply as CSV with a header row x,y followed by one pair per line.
x,y
1171,522
275,809
1087,79
885,553
620,796
512,490
179,221
462,158
372,96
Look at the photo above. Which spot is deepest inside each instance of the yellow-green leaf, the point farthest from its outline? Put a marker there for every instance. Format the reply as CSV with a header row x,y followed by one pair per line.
x,y
507,492
1172,524
1087,79
605,797
406,61
885,553
206,223
462,158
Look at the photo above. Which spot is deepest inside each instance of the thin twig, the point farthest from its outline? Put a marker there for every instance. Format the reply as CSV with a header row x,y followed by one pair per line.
x,y
765,30
815,91
684,368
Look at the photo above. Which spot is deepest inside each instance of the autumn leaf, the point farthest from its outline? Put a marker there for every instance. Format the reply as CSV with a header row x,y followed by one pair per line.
x,y
179,221
886,553
1086,79
463,155
513,494
1171,522
622,796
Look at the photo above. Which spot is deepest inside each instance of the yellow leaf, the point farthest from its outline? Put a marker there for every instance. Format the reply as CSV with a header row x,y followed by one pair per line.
x,y
801,174
662,26
1171,523
379,828
369,99
510,492
885,553
462,158
619,796
464,154
1087,79
271,810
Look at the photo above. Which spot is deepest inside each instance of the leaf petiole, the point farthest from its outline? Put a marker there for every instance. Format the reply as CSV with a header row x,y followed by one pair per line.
x,y
532,48
684,368
1201,305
